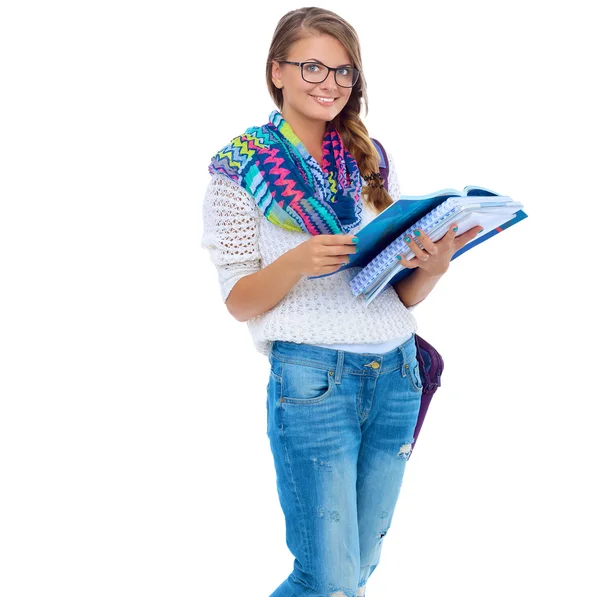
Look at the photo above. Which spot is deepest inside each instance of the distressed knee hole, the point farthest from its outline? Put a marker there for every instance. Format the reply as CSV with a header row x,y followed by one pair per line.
x,y
337,592
321,464
331,515
341,593
405,451
361,591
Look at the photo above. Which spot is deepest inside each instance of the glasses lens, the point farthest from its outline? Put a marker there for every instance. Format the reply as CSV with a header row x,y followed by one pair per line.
x,y
313,72
346,77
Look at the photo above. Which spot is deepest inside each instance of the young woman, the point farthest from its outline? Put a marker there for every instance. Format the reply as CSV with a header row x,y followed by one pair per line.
x,y
284,202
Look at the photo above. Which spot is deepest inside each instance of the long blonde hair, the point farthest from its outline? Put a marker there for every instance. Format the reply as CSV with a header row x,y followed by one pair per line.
x,y
304,22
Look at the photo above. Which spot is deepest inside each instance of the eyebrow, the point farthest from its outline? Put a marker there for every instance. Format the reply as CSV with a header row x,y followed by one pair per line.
x,y
320,62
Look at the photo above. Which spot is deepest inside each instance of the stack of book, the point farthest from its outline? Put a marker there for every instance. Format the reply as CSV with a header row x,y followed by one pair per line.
x,y
382,239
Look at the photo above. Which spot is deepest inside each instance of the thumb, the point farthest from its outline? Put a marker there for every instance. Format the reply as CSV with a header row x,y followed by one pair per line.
x,y
467,237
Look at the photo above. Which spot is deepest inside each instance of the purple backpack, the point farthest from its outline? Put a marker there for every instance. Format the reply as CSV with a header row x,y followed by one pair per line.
x,y
430,360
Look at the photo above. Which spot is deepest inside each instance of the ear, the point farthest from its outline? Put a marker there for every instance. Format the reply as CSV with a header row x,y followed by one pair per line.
x,y
276,74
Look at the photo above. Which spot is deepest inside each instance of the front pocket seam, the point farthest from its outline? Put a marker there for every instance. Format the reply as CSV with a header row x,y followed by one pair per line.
x,y
413,377
330,386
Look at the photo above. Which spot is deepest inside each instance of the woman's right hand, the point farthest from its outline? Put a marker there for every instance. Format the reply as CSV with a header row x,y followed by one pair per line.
x,y
323,253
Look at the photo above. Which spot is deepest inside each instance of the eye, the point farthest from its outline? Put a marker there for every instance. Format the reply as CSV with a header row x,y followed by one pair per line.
x,y
341,71
312,67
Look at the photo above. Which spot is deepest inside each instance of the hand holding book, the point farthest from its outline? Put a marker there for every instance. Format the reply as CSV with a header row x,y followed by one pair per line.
x,y
434,257
382,239
322,254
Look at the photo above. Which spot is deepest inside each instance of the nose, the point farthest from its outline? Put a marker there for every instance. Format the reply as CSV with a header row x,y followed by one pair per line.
x,y
329,80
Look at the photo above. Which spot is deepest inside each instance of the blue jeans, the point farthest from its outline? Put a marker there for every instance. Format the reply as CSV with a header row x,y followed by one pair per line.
x,y
340,426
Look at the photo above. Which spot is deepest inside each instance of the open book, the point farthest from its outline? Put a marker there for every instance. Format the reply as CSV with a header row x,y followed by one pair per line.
x,y
382,239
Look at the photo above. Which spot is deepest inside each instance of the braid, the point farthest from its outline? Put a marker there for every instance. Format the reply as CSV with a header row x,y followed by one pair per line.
x,y
356,140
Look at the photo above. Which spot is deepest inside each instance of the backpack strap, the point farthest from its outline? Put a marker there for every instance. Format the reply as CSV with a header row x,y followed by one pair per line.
x,y
383,162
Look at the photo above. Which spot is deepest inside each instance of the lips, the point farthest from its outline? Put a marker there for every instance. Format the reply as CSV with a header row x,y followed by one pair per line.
x,y
322,103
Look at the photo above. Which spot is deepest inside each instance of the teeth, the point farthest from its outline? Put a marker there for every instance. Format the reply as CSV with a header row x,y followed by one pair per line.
x,y
325,100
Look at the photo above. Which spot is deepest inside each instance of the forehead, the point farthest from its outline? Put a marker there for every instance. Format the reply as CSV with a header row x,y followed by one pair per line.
x,y
325,48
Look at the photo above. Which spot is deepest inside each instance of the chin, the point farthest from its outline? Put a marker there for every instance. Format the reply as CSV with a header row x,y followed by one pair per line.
x,y
325,115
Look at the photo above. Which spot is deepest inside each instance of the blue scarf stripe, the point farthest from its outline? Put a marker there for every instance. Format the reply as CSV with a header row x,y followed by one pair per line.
x,y
272,164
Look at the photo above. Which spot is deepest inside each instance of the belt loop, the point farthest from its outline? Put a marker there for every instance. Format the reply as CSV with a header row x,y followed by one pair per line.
x,y
339,367
402,367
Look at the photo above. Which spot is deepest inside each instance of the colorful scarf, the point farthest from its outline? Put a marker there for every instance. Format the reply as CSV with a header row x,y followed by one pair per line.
x,y
291,189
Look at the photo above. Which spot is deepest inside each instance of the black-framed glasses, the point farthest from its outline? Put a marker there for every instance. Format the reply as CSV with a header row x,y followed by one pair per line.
x,y
315,72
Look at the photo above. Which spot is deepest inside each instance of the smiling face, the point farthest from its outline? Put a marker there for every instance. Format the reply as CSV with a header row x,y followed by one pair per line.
x,y
300,103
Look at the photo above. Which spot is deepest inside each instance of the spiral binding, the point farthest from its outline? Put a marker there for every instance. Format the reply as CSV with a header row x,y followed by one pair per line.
x,y
388,256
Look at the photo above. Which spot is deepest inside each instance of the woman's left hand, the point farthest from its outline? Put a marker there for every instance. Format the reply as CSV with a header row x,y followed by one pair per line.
x,y
434,257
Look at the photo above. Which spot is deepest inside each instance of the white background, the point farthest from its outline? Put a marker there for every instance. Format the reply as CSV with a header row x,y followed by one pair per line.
x,y
133,451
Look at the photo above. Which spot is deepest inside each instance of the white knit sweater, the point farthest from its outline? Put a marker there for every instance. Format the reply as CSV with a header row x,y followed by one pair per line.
x,y
241,241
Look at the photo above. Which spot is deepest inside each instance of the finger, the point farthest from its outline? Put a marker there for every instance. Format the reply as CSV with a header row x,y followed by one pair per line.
x,y
336,244
423,238
350,245
451,233
414,247
340,249
461,240
338,239
333,260
409,263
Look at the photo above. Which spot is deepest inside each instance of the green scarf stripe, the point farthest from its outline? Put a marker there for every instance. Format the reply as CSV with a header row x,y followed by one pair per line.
x,y
320,200
301,162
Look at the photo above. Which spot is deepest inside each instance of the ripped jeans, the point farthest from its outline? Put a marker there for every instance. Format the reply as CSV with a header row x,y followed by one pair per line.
x,y
340,426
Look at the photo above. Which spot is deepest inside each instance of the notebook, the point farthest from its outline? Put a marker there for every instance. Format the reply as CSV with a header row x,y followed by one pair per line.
x,y
380,241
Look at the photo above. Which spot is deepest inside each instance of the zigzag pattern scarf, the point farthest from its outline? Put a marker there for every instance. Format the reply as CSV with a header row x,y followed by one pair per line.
x,y
291,189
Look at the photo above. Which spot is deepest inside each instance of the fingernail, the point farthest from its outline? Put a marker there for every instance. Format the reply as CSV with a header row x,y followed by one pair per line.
x,y
399,258
355,240
407,239
480,231
455,228
417,233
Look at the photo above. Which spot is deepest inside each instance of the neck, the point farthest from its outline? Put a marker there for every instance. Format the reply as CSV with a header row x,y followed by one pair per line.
x,y
310,131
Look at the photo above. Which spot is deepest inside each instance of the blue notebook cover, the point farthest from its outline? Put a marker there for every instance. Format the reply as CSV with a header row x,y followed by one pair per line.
x,y
401,215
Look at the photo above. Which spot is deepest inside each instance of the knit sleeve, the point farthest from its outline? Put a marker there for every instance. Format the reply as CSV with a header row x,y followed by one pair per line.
x,y
394,191
230,231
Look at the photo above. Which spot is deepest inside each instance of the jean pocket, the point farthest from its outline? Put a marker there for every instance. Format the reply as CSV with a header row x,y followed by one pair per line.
x,y
273,395
415,375
276,368
303,384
